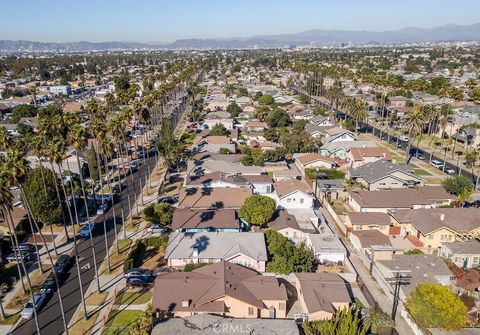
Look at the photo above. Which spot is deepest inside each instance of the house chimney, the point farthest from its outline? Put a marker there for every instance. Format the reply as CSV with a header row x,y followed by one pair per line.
x,y
186,302
195,252
442,216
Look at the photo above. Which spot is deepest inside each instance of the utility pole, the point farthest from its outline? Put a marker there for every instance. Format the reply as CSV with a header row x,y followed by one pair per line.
x,y
401,279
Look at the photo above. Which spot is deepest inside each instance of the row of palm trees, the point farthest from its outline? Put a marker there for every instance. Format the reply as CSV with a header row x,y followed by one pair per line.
x,y
56,132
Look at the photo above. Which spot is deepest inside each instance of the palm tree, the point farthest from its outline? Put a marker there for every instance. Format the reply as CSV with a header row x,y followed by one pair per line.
x,y
357,111
414,122
78,139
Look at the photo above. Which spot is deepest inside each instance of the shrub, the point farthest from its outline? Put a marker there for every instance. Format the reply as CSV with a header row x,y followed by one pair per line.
x,y
134,257
157,242
192,266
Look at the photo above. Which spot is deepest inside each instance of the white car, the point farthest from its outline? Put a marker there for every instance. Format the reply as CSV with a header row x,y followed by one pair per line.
x,y
156,229
404,138
28,310
450,171
436,164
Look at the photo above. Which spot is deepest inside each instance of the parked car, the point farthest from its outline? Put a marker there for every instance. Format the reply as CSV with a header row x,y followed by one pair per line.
x,y
140,281
156,229
25,256
104,198
436,164
49,286
34,303
26,247
169,200
87,229
102,208
63,264
138,272
450,171
404,138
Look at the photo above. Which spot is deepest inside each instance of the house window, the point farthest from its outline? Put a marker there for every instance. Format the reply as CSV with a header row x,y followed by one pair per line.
x,y
289,200
281,306
251,311
302,200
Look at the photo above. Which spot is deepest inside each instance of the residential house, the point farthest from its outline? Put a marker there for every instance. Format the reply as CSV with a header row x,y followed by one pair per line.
x,y
383,174
368,221
327,248
247,249
213,198
255,125
210,123
322,121
399,198
359,156
464,254
373,244
19,217
321,294
205,220
293,193
224,289
315,131
203,166
287,225
312,161
420,269
468,280
468,136
398,101
434,227
259,184
337,134
207,324
341,149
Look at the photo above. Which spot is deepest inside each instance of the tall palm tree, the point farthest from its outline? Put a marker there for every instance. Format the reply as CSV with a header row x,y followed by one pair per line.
x,y
414,122
78,139
357,111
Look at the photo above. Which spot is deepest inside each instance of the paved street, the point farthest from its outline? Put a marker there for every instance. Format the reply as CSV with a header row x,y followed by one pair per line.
x,y
50,316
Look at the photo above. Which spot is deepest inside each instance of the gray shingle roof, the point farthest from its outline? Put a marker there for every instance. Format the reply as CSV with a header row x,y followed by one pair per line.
x,y
379,169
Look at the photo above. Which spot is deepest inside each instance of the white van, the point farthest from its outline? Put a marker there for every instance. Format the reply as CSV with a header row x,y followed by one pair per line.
x,y
436,164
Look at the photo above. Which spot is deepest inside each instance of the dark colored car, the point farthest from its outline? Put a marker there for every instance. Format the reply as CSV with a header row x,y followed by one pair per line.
x,y
26,247
140,281
25,256
138,272
168,200
63,264
49,286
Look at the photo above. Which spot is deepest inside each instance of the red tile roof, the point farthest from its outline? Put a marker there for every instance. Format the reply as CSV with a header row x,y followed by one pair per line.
x,y
415,241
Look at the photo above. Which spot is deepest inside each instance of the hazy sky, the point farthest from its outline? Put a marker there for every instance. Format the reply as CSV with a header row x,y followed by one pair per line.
x,y
167,20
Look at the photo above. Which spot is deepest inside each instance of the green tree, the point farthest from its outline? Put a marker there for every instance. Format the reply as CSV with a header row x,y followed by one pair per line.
x,y
224,151
218,130
242,92
266,100
161,213
413,252
304,99
46,208
92,163
345,322
435,306
257,209
458,184
122,83
23,111
234,109
278,118
142,325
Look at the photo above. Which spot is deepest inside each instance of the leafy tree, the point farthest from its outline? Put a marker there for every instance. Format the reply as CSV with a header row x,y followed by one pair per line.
x,y
271,134
258,95
92,163
169,148
345,322
435,306
274,155
234,109
304,99
458,184
266,100
218,130
23,111
257,209
122,83
142,325
42,196
242,92
161,213
285,257
278,118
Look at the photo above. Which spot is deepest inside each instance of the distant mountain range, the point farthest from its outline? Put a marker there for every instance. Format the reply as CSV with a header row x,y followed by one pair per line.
x,y
315,37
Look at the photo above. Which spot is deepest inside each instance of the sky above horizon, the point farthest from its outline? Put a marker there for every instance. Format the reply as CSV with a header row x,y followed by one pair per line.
x,y
168,20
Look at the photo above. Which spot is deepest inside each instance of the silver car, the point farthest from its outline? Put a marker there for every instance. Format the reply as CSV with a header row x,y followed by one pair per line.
x,y
27,312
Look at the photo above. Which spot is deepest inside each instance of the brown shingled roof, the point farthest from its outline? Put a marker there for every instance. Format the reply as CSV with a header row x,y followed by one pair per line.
x,y
204,288
360,153
287,186
365,218
314,157
190,218
213,198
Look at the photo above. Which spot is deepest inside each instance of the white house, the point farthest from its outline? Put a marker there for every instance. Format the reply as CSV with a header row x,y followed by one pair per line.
x,y
327,248
293,193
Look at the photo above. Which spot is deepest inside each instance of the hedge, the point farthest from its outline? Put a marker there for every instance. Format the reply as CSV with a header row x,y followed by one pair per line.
x,y
134,257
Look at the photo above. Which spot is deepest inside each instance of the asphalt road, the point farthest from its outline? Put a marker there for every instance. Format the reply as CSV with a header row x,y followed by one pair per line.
x,y
413,149
49,317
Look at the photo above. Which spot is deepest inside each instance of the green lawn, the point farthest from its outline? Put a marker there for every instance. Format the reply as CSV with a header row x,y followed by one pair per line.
x,y
422,172
120,320
11,319
134,298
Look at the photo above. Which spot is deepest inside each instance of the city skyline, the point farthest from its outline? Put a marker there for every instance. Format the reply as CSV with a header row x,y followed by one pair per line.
x,y
151,21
